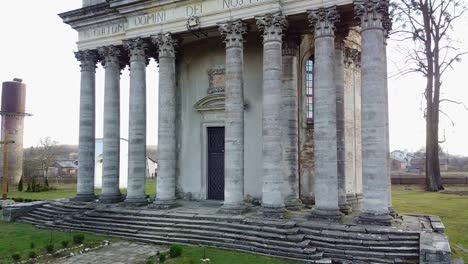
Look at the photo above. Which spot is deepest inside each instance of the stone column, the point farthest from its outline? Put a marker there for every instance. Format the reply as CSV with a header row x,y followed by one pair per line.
x,y
272,26
325,152
111,147
289,124
137,123
232,32
85,188
374,113
166,181
340,125
387,24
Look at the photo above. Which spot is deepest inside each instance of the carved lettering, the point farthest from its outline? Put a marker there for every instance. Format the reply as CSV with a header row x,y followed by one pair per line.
x,y
153,18
194,10
171,13
227,4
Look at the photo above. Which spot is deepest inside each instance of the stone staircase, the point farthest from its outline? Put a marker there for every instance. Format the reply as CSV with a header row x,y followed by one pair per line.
x,y
362,244
266,238
304,241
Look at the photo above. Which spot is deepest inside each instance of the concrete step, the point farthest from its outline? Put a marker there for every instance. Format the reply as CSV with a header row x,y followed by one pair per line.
x,y
233,227
186,239
206,225
277,224
213,234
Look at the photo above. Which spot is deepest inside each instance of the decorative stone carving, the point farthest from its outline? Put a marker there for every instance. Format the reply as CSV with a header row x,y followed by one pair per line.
x,y
88,59
232,32
137,48
112,56
373,14
323,21
166,44
272,25
212,102
216,77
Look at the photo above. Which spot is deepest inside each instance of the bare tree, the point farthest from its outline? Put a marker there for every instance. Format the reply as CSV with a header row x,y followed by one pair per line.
x,y
46,154
429,26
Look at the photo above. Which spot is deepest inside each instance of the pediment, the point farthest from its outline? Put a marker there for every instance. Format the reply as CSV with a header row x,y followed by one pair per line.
x,y
212,102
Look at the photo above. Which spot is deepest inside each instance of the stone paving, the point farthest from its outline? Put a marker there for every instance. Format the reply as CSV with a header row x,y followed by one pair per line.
x,y
116,253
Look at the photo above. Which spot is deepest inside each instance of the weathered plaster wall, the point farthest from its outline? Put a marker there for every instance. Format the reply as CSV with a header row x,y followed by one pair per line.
x,y
193,61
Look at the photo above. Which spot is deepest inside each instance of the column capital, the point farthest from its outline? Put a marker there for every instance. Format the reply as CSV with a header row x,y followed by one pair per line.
x,y
323,21
166,44
373,14
112,57
272,25
137,48
88,59
291,44
232,32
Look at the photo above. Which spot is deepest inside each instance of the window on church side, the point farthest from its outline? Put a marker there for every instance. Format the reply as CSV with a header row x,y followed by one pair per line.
x,y
309,91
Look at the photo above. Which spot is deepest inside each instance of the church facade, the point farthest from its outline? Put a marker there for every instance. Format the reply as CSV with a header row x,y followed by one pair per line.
x,y
280,101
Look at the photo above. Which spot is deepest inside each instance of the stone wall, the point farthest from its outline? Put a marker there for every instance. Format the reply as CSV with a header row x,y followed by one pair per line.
x,y
193,63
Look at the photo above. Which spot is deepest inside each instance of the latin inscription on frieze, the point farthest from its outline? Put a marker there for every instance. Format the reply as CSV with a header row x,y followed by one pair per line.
x,y
165,15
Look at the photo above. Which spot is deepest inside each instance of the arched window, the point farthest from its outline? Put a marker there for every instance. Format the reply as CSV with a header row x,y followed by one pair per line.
x,y
309,90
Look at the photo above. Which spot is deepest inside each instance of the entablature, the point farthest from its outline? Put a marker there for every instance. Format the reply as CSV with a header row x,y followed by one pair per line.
x,y
112,22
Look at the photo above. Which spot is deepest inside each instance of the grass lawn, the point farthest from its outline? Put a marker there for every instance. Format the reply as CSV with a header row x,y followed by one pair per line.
x,y
69,191
194,254
17,238
452,209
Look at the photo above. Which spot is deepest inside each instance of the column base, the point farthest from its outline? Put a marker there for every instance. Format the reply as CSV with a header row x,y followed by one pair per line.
x,y
135,202
83,198
345,208
393,213
294,204
375,219
233,209
110,198
163,204
327,215
273,211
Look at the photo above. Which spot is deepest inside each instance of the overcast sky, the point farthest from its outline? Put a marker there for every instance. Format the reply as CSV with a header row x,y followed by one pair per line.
x,y
36,46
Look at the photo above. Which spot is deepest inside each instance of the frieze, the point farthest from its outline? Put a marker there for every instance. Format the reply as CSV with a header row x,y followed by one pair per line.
x,y
162,15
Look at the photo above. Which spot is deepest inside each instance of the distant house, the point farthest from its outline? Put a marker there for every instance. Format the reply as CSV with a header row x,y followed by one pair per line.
x,y
151,165
66,168
419,164
397,165
402,157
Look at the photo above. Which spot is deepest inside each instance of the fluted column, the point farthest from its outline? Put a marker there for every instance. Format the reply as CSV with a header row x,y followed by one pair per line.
x,y
166,181
340,125
289,124
232,32
272,26
374,113
137,123
111,147
85,187
325,152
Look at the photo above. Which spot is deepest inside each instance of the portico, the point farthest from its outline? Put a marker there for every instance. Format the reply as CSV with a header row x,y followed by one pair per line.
x,y
244,100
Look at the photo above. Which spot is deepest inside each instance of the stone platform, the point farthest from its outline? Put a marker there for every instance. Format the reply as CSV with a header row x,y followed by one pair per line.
x,y
411,239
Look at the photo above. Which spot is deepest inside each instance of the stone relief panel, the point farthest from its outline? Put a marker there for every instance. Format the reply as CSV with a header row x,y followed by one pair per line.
x,y
216,78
